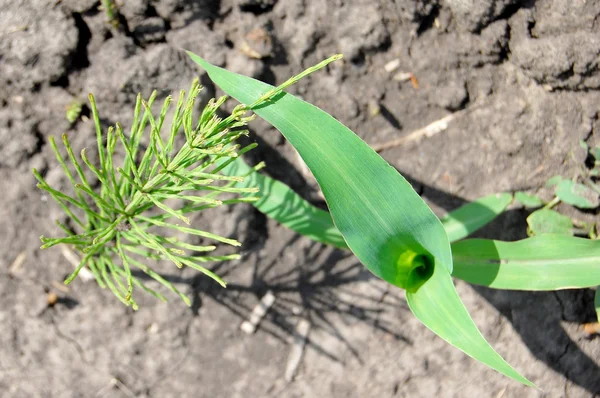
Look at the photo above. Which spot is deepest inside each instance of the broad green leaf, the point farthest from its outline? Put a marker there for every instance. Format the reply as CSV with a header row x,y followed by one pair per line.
x,y
546,221
377,211
383,220
449,319
547,262
467,219
577,195
281,203
527,200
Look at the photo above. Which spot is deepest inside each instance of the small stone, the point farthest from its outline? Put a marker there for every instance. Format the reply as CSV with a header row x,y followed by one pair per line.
x,y
52,299
402,76
392,65
257,44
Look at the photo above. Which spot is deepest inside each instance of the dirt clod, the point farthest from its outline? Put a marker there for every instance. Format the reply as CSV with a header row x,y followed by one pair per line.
x,y
523,76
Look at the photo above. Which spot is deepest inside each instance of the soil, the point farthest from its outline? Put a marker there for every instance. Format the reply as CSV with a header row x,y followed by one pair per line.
x,y
530,72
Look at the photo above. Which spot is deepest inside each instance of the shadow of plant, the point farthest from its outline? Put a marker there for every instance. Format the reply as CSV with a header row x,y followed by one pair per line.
x,y
318,290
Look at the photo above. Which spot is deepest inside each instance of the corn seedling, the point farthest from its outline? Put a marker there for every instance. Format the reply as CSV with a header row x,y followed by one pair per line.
x,y
115,225
377,215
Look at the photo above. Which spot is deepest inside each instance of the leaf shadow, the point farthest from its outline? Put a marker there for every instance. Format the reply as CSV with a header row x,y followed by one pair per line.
x,y
321,290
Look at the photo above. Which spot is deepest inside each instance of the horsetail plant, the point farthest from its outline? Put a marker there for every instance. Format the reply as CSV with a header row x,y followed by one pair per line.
x,y
128,216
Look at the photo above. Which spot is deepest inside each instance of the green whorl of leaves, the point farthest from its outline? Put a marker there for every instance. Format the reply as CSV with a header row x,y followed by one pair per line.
x,y
113,218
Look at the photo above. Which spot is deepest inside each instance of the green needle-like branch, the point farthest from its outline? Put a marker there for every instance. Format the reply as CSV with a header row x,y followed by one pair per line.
x,y
125,206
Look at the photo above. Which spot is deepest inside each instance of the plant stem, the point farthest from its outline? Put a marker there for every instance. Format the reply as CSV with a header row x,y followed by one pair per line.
x,y
552,203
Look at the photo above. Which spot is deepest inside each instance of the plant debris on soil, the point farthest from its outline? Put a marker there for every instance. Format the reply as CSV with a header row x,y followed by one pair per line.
x,y
528,72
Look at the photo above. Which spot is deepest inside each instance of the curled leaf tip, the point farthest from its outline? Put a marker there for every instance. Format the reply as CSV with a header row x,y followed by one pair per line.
x,y
413,270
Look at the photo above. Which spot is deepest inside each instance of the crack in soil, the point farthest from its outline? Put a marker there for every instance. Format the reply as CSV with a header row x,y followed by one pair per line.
x,y
69,340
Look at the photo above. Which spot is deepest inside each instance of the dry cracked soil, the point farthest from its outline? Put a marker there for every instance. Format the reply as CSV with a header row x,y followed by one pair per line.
x,y
524,77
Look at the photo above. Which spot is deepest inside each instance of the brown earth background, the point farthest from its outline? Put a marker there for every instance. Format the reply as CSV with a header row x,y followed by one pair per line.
x,y
527,71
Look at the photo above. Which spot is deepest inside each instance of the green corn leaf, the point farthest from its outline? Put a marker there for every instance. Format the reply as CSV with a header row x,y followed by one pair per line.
x,y
384,221
546,221
373,206
439,307
577,195
527,200
281,203
547,262
467,219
